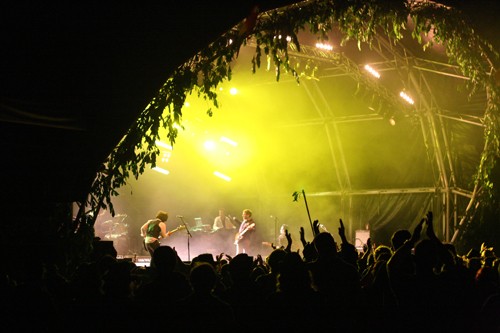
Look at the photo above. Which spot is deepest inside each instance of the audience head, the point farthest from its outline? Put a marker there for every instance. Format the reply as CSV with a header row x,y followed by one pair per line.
x,y
240,267
399,238
382,253
204,258
294,274
164,259
274,259
325,244
203,278
309,252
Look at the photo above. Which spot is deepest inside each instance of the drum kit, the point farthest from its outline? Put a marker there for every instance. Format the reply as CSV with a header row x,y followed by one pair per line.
x,y
115,228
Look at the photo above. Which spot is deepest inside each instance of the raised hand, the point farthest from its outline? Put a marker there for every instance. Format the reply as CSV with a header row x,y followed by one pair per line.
x,y
259,261
430,228
303,237
342,232
316,227
289,241
418,230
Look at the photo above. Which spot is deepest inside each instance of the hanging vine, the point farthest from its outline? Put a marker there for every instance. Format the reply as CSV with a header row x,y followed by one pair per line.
x,y
274,31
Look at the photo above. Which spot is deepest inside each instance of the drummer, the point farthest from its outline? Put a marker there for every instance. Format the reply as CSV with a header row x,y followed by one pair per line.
x,y
222,222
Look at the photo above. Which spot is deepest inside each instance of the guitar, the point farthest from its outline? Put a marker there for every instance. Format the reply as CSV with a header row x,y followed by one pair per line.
x,y
169,233
180,227
239,235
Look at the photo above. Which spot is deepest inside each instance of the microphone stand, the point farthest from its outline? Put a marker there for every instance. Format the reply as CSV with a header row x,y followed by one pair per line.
x,y
189,236
276,230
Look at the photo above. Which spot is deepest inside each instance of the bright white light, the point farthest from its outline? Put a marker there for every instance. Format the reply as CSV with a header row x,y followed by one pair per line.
x,y
406,97
161,170
163,145
209,145
222,176
228,141
373,72
323,46
233,91
166,156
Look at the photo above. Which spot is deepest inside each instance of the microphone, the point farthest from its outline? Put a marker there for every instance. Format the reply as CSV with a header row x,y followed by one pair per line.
x,y
180,216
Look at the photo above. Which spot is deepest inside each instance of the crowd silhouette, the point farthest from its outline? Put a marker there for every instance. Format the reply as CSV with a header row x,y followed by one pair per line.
x,y
417,283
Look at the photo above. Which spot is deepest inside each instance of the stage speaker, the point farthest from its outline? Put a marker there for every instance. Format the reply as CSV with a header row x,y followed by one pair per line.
x,y
101,248
361,239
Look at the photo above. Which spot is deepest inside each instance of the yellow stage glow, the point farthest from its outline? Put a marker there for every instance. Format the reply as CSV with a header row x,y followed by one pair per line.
x,y
209,145
223,176
228,141
161,170
233,91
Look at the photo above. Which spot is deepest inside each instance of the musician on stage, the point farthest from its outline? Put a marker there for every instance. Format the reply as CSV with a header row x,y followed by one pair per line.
x,y
153,230
222,222
246,233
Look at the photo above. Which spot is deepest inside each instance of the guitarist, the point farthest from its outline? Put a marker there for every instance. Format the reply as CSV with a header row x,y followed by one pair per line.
x,y
246,232
153,230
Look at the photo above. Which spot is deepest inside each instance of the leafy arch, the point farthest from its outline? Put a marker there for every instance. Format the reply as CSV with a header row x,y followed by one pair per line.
x,y
358,20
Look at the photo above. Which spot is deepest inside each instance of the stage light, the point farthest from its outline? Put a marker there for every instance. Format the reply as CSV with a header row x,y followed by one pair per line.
x,y
166,156
209,145
323,46
163,145
222,176
406,97
233,91
161,170
392,121
373,72
228,141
